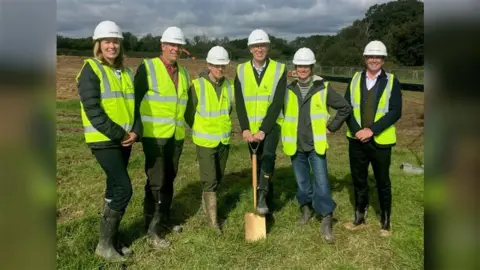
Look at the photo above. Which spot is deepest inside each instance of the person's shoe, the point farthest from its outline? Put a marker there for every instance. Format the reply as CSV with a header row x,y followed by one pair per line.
x,y
262,194
119,245
156,229
385,226
211,206
358,222
109,224
306,214
326,228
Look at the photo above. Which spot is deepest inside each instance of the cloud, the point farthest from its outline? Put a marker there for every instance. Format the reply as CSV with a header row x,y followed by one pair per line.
x,y
214,18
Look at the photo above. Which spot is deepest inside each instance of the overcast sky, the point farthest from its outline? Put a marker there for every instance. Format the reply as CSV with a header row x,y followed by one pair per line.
x,y
214,18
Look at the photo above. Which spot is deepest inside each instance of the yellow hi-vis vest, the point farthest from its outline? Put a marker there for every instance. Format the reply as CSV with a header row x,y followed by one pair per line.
x,y
318,116
212,124
117,99
388,136
259,97
163,107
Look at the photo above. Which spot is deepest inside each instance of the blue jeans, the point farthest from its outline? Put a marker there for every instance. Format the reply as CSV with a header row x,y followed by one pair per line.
x,y
320,197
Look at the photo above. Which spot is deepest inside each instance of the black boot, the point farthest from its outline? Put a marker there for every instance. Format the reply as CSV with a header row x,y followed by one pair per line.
x,y
109,224
385,197
386,229
306,213
119,245
157,229
358,221
262,193
148,207
326,228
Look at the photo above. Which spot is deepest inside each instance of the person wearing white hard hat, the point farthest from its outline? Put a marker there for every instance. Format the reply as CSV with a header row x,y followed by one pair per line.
x,y
208,114
111,126
376,98
260,86
162,84
304,137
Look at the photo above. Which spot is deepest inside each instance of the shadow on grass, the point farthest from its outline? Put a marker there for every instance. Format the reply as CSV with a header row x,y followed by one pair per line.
x,y
187,202
346,183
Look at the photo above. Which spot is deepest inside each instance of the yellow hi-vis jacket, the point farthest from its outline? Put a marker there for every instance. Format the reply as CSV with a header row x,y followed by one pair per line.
x,y
318,115
117,99
259,97
162,108
212,124
388,136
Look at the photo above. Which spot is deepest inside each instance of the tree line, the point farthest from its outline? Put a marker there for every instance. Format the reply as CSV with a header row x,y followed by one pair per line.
x,y
399,24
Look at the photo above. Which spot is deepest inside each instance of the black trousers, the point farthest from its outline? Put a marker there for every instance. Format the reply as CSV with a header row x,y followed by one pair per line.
x,y
266,152
161,167
212,162
361,155
266,157
114,162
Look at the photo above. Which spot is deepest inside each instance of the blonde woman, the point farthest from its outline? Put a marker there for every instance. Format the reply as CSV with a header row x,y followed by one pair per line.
x,y
111,127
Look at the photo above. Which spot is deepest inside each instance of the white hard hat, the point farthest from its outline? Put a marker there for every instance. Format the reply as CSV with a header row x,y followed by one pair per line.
x,y
107,29
258,36
217,55
174,35
304,56
375,48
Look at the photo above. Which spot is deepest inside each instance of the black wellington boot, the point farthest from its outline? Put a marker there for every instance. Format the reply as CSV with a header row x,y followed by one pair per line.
x,y
306,214
262,193
326,228
148,207
156,229
109,224
358,221
386,228
117,242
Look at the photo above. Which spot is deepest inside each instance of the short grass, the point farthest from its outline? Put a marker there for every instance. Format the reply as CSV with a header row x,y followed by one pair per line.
x,y
80,190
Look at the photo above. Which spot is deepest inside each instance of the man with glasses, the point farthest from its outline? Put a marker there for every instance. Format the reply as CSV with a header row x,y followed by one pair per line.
x,y
260,86
161,85
376,99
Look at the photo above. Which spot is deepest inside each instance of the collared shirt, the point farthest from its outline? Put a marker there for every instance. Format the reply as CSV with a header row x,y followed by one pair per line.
x,y
172,71
259,70
371,82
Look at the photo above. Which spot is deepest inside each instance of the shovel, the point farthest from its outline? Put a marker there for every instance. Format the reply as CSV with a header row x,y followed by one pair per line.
x,y
255,225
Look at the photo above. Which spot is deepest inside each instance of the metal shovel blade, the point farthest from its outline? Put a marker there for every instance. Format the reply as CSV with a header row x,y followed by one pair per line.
x,y
255,227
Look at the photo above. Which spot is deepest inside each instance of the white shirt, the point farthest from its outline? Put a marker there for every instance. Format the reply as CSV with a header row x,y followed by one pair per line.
x,y
259,70
371,82
118,73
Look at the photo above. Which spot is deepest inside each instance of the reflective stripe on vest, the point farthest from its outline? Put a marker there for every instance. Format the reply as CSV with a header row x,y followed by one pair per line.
x,y
388,136
318,116
162,108
212,124
259,97
117,100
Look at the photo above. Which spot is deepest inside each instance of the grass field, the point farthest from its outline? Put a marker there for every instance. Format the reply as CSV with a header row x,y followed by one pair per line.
x,y
289,245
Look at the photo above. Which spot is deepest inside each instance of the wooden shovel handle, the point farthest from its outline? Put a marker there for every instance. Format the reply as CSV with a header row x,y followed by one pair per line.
x,y
254,179
254,172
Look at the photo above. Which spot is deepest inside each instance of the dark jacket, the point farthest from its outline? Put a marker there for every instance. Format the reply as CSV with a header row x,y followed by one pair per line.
x,y
394,108
273,110
193,100
305,142
89,92
141,88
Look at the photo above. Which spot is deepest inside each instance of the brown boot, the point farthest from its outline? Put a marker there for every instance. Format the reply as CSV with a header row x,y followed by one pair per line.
x,y
210,200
